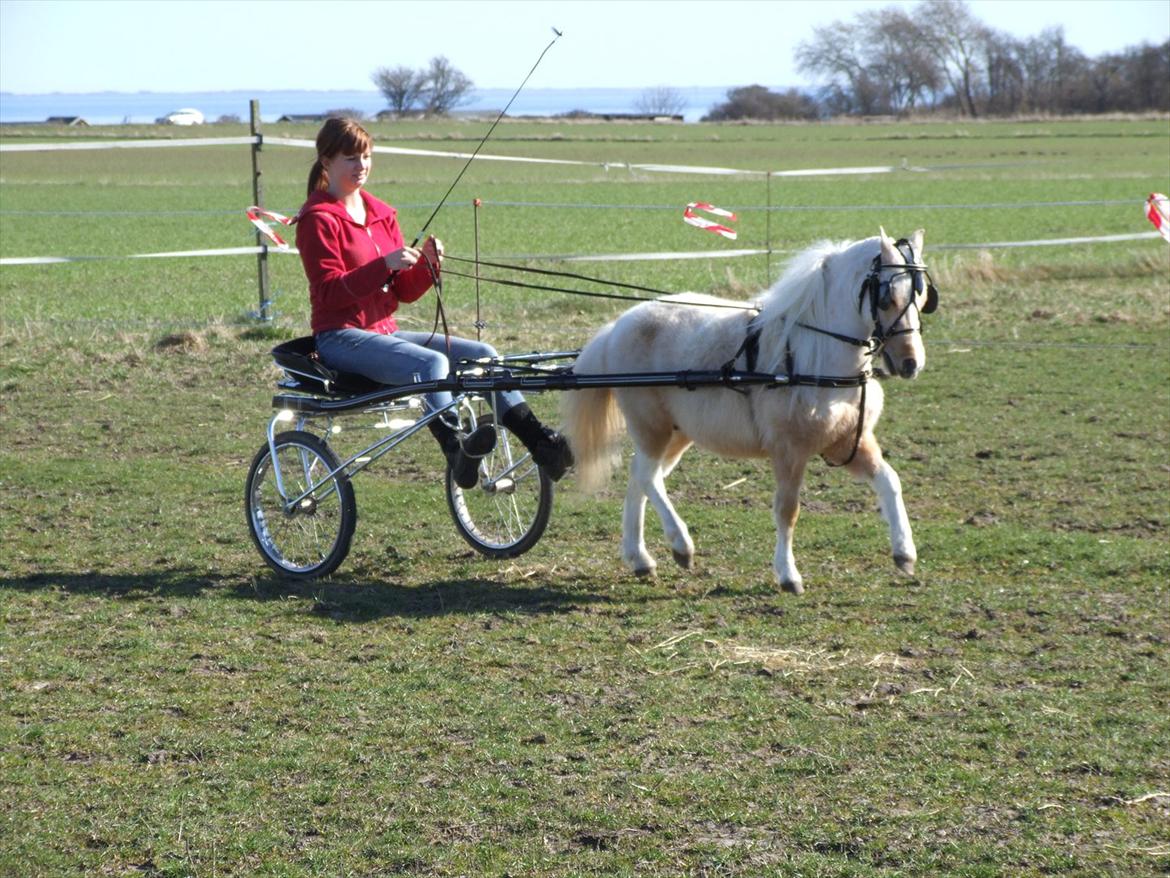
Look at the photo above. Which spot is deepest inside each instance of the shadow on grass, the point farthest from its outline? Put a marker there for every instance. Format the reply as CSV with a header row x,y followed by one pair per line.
x,y
340,599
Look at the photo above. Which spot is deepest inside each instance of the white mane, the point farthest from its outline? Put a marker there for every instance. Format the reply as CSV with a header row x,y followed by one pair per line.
x,y
810,292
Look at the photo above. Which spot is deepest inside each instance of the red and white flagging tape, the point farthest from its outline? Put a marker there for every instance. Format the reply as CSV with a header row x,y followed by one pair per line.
x,y
1158,212
257,216
693,219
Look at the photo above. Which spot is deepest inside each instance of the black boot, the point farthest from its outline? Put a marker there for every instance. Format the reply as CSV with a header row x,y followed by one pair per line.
x,y
463,455
549,448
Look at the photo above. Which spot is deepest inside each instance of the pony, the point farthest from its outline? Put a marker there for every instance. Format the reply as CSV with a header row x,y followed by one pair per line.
x,y
834,308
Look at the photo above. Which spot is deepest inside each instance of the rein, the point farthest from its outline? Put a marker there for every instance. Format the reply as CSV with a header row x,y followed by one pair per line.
x,y
873,286
746,306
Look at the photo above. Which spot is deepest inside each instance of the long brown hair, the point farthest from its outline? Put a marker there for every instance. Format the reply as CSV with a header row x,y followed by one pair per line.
x,y
338,136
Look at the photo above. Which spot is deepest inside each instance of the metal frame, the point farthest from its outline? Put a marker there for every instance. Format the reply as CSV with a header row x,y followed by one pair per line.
x,y
528,372
475,379
358,461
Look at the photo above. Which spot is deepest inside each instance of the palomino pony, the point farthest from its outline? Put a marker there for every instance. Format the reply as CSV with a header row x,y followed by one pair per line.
x,y
835,307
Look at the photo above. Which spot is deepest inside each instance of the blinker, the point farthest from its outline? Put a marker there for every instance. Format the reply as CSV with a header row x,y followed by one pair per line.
x,y
878,290
931,300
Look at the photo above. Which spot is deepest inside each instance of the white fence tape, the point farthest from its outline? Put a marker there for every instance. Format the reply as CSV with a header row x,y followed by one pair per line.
x,y
170,254
128,144
605,257
434,153
393,150
1048,242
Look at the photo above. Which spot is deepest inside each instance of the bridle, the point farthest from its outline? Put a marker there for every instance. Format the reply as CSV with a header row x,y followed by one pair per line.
x,y
880,295
877,290
873,287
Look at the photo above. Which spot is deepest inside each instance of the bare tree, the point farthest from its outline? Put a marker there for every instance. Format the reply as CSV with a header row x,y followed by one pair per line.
x,y
401,86
955,36
1002,63
902,66
1149,76
834,53
661,100
1039,60
445,87
939,54
874,64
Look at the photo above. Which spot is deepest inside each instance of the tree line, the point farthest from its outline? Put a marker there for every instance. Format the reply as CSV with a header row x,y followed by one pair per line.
x,y
939,57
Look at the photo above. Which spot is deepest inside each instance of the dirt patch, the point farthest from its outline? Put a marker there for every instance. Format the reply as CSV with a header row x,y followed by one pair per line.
x,y
186,342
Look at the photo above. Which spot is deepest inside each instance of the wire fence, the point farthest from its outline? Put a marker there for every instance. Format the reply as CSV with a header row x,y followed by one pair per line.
x,y
255,142
262,250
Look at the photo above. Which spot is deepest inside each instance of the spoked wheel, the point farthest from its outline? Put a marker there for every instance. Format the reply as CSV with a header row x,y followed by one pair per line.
x,y
506,513
311,537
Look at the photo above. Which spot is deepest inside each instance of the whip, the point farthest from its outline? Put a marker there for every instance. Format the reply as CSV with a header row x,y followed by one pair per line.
x,y
503,112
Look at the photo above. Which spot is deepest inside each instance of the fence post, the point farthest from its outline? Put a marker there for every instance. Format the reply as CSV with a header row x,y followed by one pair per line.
x,y
258,200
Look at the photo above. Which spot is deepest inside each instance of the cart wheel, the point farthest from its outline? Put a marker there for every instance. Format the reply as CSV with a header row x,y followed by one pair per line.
x,y
506,513
313,537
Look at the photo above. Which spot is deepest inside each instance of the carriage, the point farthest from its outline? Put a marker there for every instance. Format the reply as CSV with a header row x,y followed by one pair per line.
x,y
300,501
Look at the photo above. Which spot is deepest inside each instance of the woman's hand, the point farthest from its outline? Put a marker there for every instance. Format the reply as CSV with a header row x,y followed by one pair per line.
x,y
402,259
432,249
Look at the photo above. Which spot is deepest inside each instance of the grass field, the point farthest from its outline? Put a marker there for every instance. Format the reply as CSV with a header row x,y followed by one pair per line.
x,y
169,708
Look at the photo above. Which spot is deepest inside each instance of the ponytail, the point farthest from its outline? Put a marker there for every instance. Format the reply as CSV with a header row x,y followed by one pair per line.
x,y
318,179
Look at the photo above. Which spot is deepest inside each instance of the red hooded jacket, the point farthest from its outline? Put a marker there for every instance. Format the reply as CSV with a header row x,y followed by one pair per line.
x,y
349,284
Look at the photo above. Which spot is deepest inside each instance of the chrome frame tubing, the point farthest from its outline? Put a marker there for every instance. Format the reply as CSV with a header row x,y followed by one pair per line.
x,y
350,466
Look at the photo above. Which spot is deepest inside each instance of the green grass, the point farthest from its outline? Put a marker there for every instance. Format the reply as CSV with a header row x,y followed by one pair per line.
x,y
169,708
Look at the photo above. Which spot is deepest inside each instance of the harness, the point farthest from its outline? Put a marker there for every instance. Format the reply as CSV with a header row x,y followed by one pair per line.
x,y
878,292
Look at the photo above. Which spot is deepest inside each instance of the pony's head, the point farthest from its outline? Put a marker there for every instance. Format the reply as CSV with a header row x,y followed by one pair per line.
x,y
898,291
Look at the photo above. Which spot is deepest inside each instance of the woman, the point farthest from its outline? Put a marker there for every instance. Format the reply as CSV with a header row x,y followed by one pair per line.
x,y
359,272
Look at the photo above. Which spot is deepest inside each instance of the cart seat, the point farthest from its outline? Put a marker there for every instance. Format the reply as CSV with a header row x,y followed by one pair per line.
x,y
305,373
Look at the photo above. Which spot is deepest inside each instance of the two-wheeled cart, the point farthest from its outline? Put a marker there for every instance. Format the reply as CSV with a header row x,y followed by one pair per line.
x,y
299,499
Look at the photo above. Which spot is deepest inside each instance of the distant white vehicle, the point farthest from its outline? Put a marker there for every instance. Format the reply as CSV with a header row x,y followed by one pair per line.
x,y
181,117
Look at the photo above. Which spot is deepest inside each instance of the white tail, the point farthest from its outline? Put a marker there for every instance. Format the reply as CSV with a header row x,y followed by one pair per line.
x,y
592,420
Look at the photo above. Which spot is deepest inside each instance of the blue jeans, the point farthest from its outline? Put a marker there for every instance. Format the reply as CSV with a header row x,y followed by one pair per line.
x,y
405,358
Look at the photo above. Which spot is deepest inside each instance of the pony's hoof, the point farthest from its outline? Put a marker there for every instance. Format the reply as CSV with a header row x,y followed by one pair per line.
x,y
792,586
904,564
645,572
685,560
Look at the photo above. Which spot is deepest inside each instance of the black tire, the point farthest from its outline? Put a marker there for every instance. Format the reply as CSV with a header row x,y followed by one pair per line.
x,y
504,515
312,539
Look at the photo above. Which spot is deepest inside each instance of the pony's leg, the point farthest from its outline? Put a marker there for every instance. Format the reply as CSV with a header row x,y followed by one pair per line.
x,y
869,466
682,547
648,481
785,509
634,552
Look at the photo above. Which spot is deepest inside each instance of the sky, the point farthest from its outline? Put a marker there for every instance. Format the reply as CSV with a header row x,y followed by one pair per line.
x,y
180,45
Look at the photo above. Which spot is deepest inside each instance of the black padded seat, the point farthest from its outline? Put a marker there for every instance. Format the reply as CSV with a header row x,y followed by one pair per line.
x,y
307,374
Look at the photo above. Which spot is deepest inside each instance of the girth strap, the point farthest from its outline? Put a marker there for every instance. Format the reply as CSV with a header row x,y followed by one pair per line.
x,y
750,348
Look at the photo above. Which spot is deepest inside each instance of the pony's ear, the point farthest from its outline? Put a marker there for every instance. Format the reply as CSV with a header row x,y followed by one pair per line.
x,y
916,242
890,254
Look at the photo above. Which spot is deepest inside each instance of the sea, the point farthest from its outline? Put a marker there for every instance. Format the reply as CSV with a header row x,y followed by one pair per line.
x,y
117,108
